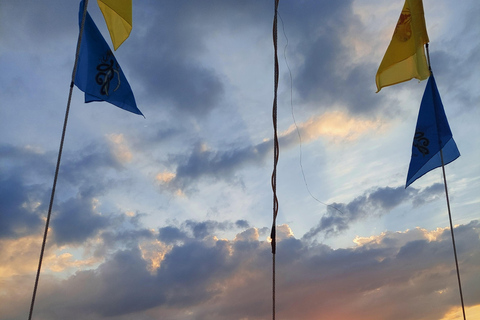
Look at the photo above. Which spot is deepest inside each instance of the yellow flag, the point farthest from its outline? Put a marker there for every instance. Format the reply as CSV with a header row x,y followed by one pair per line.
x,y
405,56
118,16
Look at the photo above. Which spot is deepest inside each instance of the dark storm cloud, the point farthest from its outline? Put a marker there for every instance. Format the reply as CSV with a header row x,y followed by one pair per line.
x,y
232,280
340,216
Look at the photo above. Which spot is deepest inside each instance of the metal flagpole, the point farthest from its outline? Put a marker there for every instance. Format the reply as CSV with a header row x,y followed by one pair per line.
x,y
58,161
449,212
453,236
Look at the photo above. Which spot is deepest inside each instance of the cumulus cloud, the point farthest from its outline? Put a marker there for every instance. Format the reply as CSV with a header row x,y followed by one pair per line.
x,y
197,69
382,277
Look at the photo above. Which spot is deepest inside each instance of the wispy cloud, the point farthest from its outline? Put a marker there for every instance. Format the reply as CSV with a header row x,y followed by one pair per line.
x,y
375,203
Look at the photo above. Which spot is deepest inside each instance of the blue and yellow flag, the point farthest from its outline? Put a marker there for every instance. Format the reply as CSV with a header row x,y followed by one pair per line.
x,y
432,136
98,73
118,17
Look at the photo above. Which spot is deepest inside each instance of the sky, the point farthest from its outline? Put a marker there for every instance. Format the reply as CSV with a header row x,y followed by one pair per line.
x,y
168,216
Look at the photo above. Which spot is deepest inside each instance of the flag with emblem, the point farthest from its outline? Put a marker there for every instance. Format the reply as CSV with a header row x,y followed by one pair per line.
x,y
98,73
433,143
405,56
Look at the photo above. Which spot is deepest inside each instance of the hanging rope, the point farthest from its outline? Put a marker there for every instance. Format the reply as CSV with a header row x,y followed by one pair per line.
x,y
273,233
42,251
295,122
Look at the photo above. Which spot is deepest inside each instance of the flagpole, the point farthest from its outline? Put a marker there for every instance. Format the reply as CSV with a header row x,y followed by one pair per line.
x,y
52,196
453,236
449,211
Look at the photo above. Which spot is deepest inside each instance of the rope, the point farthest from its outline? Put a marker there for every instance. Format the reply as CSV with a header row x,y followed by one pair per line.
x,y
273,233
42,251
295,122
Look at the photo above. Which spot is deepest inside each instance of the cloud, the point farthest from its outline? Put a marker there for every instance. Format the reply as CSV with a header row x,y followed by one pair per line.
x,y
201,73
203,229
77,220
322,57
165,177
25,195
170,234
203,162
383,276
374,203
19,256
167,69
22,190
335,126
120,148
81,168
18,208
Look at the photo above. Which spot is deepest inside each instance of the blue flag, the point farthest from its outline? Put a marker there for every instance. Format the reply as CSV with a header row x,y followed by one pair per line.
x,y
431,135
98,73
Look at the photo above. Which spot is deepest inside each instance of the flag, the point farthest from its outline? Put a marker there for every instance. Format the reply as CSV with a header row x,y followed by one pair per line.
x,y
118,17
98,73
405,55
431,135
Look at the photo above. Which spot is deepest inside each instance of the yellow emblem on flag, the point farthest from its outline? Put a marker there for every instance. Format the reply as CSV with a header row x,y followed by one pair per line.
x,y
405,56
118,16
